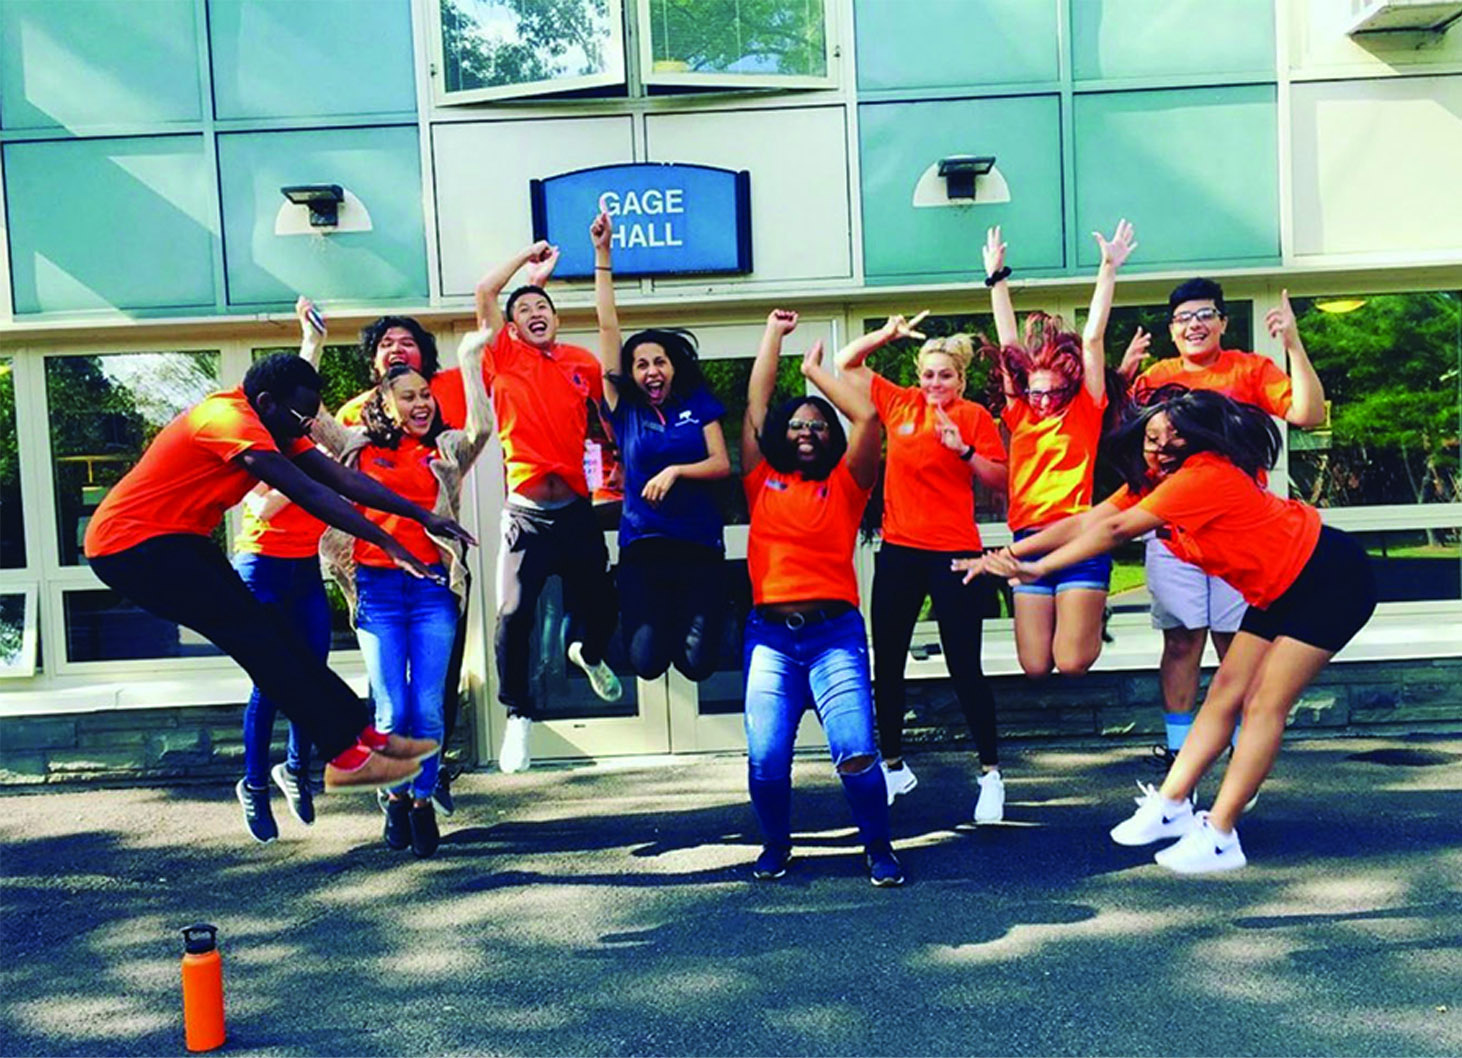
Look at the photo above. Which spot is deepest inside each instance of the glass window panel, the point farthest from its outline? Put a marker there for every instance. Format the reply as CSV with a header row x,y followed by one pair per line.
x,y
12,517
103,626
1391,365
724,692
763,38
1415,565
104,411
18,633
560,685
523,48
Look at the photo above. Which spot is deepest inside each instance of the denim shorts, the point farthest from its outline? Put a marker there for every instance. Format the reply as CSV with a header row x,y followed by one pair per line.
x,y
1092,574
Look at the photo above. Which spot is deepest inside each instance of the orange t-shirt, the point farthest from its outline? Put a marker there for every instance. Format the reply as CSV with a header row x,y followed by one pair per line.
x,y
187,478
1246,377
1230,527
802,534
446,387
1052,459
928,491
406,471
291,532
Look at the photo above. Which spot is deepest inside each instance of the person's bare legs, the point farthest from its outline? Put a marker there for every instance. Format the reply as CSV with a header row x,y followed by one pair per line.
x,y
1182,654
1222,707
1035,630
1077,641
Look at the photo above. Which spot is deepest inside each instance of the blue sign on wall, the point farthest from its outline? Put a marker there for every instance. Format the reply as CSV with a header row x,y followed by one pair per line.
x,y
668,219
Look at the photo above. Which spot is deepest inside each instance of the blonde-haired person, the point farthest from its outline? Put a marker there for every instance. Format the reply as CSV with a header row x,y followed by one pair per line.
x,y
939,444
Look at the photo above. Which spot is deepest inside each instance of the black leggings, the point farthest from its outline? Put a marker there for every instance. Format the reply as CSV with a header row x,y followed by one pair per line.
x,y
537,544
673,599
902,578
185,578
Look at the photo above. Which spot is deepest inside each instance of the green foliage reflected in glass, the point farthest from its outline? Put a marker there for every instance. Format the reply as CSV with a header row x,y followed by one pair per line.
x,y
727,378
12,518
497,43
752,37
344,372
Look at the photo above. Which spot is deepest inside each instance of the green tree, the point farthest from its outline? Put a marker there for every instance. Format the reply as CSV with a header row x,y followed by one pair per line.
x,y
743,36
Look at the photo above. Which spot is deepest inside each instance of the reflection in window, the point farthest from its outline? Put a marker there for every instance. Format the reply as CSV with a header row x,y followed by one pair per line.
x,y
103,626
12,519
1415,565
104,411
18,632
562,688
537,46
1391,365
767,38
724,692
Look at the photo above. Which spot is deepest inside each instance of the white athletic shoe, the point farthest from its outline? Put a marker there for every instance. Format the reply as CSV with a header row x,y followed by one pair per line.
x,y
601,677
990,806
1202,850
1154,820
899,780
515,755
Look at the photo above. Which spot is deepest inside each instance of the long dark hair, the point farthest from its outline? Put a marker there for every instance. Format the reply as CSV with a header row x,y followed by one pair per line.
x,y
372,333
384,431
782,453
1207,422
680,348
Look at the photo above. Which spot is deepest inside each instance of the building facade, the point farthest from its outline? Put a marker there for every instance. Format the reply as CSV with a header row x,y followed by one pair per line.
x,y
148,254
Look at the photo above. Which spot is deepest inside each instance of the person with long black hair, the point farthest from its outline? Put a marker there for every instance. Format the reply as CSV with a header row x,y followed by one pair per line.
x,y
1193,461
672,589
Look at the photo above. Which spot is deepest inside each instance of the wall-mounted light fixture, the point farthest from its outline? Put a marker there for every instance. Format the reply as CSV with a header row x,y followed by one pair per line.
x,y
322,200
960,170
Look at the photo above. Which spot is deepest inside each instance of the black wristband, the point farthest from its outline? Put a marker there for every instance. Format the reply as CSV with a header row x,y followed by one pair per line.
x,y
965,455
603,268
999,274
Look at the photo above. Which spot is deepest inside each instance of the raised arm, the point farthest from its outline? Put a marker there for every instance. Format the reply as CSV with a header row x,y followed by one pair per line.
x,y
1093,339
1103,528
762,384
1307,406
609,338
851,357
864,442
1007,331
470,353
489,289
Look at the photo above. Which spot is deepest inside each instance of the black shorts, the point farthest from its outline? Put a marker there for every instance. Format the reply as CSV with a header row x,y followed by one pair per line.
x,y
1328,603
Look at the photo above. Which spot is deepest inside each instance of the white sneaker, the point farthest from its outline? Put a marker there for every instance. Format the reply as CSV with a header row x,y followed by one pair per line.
x,y
601,677
990,806
899,780
515,755
1154,820
1202,850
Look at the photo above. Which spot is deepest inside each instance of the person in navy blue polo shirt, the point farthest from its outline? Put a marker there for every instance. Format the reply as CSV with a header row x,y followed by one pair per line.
x,y
671,553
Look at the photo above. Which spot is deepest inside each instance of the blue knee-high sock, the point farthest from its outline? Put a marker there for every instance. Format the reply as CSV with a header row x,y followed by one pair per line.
x,y
771,799
1178,726
868,798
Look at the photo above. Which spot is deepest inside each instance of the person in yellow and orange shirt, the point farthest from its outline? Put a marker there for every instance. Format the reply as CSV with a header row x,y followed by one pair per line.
x,y
807,484
1188,605
1193,460
939,445
1055,389
149,540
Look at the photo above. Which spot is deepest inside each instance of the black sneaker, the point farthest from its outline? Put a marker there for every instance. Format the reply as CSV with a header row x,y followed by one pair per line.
x,y
257,816
441,795
772,863
297,793
884,869
398,823
1162,758
424,834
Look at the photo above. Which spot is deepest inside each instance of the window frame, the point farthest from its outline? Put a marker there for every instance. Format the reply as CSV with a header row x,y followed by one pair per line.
x,y
645,48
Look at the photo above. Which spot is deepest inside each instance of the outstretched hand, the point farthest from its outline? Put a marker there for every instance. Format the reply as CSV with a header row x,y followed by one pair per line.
x,y
812,359
994,251
601,231
416,567
440,525
542,258
1003,564
972,567
1281,321
897,327
1117,249
656,488
782,321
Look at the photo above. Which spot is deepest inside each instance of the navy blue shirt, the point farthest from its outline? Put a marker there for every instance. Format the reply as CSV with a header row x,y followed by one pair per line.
x,y
651,439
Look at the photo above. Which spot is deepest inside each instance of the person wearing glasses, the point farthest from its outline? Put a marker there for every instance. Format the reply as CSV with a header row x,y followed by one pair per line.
x,y
1056,399
1194,461
939,445
807,484
1189,605
406,626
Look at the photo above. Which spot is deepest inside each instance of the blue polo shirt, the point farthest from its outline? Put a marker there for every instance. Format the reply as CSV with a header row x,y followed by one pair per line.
x,y
651,439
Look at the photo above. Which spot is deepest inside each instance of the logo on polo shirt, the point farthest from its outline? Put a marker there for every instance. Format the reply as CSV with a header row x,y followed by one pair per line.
x,y
384,461
906,428
686,414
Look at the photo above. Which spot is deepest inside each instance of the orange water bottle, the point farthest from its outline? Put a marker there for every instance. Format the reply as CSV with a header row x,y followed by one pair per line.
x,y
202,988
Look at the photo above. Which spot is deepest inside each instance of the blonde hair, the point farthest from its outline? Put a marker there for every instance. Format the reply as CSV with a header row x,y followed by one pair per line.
x,y
960,348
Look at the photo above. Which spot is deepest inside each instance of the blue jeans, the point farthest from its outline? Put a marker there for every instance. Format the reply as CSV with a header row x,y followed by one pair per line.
x,y
406,626
824,665
292,590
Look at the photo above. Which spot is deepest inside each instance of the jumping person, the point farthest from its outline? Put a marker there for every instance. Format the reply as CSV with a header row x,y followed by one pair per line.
x,y
1187,604
1055,391
407,626
671,552
939,444
1194,461
807,485
543,392
149,540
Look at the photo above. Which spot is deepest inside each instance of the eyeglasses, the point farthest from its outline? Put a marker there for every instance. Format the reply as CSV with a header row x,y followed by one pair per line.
x,y
307,422
815,425
1197,315
1048,394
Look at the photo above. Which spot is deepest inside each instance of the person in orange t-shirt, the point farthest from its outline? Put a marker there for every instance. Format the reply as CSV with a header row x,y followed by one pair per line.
x,y
1188,605
939,445
1055,398
807,484
1193,461
149,540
